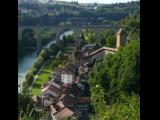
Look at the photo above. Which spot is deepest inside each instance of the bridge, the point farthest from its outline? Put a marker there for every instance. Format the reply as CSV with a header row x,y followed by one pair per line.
x,y
60,29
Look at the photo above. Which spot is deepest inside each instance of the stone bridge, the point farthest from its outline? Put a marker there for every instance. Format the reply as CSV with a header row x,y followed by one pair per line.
x,y
60,29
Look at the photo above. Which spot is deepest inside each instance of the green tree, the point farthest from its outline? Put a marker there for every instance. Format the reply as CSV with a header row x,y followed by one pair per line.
x,y
25,107
28,38
29,77
108,38
46,35
115,85
88,36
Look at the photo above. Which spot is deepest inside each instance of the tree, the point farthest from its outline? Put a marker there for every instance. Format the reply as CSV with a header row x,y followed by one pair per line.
x,y
46,35
25,107
115,84
39,61
54,48
28,39
108,38
29,77
88,36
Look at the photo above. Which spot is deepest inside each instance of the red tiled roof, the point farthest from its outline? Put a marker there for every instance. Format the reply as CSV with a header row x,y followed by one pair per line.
x,y
64,112
119,31
67,99
54,89
84,100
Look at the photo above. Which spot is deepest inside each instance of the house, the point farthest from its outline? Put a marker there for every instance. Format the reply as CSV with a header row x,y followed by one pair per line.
x,y
83,70
38,103
99,54
51,90
67,100
63,113
78,58
58,72
68,75
83,104
59,112
54,84
88,47
81,86
48,100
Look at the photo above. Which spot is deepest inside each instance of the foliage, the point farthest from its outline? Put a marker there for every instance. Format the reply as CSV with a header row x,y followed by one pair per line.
x,y
43,56
25,107
54,48
54,14
132,26
28,39
108,38
45,36
88,36
117,74
29,77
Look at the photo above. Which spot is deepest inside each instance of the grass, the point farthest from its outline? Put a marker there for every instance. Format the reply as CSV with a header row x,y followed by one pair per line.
x,y
43,77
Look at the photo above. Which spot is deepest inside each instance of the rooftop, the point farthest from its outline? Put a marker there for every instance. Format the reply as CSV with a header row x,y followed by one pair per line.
x,y
64,112
84,100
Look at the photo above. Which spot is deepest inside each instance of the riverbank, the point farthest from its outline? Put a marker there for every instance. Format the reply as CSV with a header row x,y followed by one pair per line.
x,y
27,62
44,74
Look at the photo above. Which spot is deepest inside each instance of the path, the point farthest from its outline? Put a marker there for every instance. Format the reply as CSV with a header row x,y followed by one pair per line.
x,y
36,76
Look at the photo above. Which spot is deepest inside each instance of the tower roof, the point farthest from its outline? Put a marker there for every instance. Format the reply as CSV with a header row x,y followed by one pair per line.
x,y
119,31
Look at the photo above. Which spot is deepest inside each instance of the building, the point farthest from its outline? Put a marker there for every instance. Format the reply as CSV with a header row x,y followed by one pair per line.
x,y
67,100
52,91
121,38
99,54
83,104
68,75
63,113
59,111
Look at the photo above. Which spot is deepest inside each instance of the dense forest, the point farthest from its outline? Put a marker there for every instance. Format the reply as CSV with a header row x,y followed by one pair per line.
x,y
115,81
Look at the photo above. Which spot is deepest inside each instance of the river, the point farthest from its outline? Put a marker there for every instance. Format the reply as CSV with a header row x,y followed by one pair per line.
x,y
27,61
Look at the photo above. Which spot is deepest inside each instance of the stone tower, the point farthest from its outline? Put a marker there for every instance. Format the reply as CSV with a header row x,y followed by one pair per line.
x,y
121,38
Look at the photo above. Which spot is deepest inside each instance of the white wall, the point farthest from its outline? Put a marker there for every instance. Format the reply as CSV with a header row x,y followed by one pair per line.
x,y
66,78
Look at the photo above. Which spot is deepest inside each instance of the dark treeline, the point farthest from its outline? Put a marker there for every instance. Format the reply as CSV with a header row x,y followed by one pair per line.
x,y
54,14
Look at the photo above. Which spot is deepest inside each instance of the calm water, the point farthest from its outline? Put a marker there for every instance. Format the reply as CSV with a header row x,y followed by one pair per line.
x,y
27,61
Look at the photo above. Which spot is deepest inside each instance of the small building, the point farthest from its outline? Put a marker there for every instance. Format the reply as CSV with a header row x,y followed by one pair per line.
x,y
67,100
48,100
51,90
83,104
60,111
68,75
63,113
81,86
88,47
99,54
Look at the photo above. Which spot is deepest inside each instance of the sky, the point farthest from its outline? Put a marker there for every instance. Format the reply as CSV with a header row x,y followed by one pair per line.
x,y
100,1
